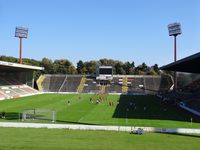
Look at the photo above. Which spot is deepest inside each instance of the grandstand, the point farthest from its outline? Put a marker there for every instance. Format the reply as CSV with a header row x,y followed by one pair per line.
x,y
70,84
91,85
16,80
132,84
115,86
51,83
192,87
188,95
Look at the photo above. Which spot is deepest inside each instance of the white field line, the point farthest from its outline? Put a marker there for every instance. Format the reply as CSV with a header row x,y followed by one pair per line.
x,y
98,127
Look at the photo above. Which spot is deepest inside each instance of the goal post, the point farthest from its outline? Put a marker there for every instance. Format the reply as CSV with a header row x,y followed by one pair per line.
x,y
39,114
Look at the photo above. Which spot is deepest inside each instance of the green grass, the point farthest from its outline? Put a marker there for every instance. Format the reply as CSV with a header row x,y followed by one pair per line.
x,y
82,111
60,139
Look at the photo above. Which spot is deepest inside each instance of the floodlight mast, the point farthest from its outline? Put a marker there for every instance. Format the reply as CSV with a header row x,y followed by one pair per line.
x,y
20,51
174,30
21,32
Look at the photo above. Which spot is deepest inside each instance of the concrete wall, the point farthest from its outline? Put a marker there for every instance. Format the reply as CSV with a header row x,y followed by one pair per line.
x,y
95,127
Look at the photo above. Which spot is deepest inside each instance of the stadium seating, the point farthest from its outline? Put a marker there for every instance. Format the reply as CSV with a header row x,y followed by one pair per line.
x,y
190,101
115,86
12,88
188,95
193,103
119,84
151,85
3,81
71,83
2,96
165,83
52,83
137,84
192,87
91,85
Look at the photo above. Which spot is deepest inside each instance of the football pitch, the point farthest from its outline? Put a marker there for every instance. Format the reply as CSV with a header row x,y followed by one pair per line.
x,y
123,110
60,139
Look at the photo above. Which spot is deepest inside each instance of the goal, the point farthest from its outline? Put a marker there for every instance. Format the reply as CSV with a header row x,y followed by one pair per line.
x,y
39,114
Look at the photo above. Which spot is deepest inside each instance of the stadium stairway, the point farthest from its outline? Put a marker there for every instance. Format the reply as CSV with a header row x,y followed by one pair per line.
x,y
71,83
124,85
81,85
63,84
39,82
103,88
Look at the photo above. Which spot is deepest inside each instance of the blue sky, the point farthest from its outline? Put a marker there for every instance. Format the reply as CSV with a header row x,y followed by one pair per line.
x,y
126,30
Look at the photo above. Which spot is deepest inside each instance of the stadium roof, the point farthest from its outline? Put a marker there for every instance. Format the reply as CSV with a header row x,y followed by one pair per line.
x,y
189,64
8,66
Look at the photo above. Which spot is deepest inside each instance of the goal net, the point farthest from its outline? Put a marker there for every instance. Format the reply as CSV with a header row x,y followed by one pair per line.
x,y
39,114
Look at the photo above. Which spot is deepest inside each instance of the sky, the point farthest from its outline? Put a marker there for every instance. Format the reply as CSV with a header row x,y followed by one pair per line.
x,y
125,30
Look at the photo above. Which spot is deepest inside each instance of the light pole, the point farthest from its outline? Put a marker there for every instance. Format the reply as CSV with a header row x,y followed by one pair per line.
x,y
174,30
21,32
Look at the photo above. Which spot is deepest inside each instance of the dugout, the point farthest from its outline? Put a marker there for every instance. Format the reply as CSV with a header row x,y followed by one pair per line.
x,y
20,72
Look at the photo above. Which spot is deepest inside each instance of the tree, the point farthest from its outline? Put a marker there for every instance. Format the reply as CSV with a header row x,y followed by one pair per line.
x,y
144,67
91,67
48,65
107,62
8,59
133,64
156,68
128,68
151,72
64,66
72,70
80,67
119,68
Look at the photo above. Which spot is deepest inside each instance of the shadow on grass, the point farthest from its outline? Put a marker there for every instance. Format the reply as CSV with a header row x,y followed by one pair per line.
x,y
73,122
150,107
10,115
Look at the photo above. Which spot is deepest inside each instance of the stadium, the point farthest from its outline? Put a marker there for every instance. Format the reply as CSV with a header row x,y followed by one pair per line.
x,y
82,82
99,102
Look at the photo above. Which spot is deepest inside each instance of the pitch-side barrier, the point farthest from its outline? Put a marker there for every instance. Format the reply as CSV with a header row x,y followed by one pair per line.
x,y
98,127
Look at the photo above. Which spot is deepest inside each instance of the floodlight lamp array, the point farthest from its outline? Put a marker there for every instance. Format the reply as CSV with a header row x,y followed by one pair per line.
x,y
174,29
21,32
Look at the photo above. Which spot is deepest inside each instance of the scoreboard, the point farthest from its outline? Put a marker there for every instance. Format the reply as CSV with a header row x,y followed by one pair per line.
x,y
104,73
107,71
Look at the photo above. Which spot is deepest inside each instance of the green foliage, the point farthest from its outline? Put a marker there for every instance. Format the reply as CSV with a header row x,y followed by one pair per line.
x,y
81,67
156,69
151,72
9,59
64,66
48,65
91,67
119,68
